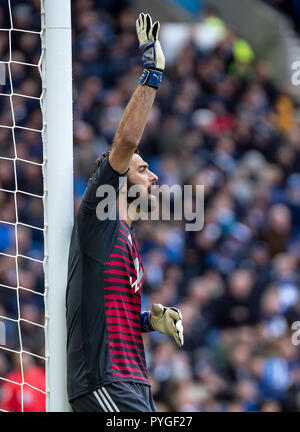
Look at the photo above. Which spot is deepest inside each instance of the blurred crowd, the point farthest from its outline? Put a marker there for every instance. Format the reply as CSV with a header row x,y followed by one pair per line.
x,y
291,8
219,120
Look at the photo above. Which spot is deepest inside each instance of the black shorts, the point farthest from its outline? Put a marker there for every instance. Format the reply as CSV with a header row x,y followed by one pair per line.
x,y
116,397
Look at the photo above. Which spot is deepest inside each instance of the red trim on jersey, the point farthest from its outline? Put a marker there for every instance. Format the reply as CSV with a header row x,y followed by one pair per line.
x,y
121,264
128,369
124,313
121,321
121,256
116,288
124,337
118,328
118,272
126,235
122,240
115,304
124,226
119,297
124,281
125,360
122,299
127,353
126,250
121,344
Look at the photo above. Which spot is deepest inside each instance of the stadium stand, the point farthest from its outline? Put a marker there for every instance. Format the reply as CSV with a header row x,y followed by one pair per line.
x,y
217,121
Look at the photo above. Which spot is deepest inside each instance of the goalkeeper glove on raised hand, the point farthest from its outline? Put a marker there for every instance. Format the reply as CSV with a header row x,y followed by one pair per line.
x,y
153,58
166,320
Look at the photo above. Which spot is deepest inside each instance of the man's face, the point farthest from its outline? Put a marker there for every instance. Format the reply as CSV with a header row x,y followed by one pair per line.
x,y
139,175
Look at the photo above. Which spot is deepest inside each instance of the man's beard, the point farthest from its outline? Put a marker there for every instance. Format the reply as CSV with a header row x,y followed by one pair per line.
x,y
147,201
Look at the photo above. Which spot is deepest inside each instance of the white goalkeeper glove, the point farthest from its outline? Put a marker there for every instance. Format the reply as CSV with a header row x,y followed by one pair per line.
x,y
153,58
167,320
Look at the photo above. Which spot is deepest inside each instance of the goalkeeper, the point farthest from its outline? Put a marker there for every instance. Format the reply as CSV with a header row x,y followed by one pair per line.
x,y
106,365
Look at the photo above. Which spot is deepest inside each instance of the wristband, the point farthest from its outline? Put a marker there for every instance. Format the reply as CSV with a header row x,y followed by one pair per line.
x,y
151,77
145,322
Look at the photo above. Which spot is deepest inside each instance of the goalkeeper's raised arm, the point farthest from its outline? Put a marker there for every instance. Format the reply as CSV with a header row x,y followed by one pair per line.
x,y
134,118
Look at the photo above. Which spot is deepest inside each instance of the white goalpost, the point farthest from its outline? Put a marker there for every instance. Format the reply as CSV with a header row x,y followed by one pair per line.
x,y
55,73
58,186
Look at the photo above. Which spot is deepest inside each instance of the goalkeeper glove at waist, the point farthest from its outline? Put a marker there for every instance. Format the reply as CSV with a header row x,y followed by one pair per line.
x,y
153,58
166,320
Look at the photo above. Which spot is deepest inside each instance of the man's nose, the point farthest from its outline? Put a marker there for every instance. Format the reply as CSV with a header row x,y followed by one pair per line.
x,y
153,177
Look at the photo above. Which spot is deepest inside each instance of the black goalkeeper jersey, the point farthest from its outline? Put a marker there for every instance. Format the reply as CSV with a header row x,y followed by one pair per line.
x,y
103,300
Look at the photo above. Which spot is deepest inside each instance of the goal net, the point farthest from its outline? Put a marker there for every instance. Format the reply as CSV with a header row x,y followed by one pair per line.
x,y
36,201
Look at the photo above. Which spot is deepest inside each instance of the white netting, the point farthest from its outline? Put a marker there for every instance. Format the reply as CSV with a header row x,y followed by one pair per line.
x,y
22,227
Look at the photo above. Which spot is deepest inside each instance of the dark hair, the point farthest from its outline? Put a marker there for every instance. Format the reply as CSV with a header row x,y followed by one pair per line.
x,y
101,158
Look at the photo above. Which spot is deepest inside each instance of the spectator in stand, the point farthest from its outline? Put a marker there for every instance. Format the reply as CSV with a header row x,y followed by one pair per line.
x,y
29,397
288,7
